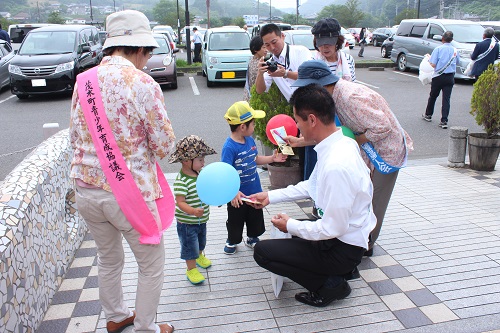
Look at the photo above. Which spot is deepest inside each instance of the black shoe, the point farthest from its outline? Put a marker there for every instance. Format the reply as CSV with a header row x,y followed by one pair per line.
x,y
352,275
443,124
324,296
368,253
426,117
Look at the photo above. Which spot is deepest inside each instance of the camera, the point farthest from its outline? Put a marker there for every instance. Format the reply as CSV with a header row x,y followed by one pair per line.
x,y
272,65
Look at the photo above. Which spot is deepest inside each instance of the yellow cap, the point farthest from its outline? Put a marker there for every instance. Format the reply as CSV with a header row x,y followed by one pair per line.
x,y
241,112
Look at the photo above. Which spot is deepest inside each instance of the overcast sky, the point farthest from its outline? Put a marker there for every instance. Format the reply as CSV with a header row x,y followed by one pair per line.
x,y
284,3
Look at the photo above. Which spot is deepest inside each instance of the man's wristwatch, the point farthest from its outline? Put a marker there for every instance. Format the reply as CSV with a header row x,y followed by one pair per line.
x,y
286,74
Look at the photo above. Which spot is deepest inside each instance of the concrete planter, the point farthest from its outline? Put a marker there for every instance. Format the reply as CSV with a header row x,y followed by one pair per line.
x,y
282,176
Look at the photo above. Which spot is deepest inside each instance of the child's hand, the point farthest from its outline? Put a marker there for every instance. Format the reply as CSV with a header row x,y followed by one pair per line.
x,y
236,202
198,212
279,157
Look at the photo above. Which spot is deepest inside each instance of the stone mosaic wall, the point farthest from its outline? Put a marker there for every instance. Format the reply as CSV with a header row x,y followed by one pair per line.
x,y
40,230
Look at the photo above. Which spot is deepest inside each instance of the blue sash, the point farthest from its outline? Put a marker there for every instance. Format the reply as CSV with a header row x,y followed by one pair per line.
x,y
378,162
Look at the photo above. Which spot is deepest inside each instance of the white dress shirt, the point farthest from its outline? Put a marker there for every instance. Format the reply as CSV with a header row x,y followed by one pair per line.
x,y
341,187
297,55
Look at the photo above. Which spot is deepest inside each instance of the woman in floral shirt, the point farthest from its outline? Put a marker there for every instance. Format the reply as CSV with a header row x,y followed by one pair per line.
x,y
133,103
258,50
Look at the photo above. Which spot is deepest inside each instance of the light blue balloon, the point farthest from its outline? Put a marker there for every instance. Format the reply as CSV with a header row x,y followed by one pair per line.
x,y
218,183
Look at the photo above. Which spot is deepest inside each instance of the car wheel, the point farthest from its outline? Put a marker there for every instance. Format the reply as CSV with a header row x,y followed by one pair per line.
x,y
210,83
402,66
22,96
383,52
374,42
203,73
173,85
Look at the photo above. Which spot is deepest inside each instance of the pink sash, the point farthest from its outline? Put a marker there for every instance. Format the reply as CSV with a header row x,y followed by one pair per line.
x,y
115,169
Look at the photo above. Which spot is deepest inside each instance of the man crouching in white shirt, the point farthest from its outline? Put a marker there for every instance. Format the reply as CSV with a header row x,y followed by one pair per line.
x,y
323,251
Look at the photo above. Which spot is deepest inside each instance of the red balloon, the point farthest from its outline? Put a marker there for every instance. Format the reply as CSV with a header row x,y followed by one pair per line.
x,y
278,121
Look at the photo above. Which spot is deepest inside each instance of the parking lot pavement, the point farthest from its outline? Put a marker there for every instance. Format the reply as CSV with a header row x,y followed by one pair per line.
x,y
435,269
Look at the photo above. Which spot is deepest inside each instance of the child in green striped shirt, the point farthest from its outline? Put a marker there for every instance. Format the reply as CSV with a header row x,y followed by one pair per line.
x,y
191,214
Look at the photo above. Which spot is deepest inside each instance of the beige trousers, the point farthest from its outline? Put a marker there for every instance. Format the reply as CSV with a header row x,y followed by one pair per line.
x,y
107,224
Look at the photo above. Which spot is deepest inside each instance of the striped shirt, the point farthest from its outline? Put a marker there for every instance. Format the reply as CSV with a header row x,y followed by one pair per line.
x,y
185,186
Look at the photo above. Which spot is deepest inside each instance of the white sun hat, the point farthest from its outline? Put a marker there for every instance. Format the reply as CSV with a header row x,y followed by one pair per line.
x,y
128,28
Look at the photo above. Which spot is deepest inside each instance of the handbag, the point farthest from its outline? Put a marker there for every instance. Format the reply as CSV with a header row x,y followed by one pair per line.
x,y
425,71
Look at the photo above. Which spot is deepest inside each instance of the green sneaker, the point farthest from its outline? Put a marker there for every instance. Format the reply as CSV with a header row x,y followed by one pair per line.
x,y
203,261
194,276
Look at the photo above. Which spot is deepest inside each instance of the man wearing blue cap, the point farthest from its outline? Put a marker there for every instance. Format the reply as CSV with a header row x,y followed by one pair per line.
x,y
385,144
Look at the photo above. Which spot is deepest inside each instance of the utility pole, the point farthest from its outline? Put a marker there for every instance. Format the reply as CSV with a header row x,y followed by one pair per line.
x,y
441,9
258,11
208,13
188,34
114,6
270,17
38,8
178,24
418,8
297,15
91,16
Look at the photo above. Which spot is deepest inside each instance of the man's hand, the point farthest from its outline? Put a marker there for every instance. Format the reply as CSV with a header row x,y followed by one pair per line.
x,y
261,197
293,141
280,72
280,221
262,67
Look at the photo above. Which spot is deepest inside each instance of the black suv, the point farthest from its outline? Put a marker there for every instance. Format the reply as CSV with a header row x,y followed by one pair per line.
x,y
50,58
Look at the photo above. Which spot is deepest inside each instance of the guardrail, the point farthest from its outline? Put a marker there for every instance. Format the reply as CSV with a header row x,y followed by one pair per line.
x,y
40,230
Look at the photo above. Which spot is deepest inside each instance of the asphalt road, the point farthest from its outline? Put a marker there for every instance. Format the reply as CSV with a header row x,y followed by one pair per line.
x,y
196,109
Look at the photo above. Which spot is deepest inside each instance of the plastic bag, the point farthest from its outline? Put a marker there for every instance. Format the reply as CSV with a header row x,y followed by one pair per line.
x,y
468,69
277,280
425,71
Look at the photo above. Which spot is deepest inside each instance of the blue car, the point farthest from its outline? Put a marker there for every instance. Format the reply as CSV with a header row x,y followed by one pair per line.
x,y
225,55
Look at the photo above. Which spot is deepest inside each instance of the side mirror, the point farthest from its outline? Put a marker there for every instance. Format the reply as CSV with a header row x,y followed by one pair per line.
x,y
205,45
175,50
85,48
437,37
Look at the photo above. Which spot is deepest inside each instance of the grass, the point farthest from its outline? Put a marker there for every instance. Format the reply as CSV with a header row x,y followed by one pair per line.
x,y
183,63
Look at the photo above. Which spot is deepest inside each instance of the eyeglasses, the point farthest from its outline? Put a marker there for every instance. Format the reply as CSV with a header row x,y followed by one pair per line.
x,y
150,54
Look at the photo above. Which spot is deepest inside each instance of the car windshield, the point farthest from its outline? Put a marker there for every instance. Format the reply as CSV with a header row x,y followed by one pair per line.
x,y
226,41
466,33
48,42
306,40
164,47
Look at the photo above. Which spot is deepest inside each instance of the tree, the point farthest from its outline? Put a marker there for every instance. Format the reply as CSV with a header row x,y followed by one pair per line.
x,y
405,14
352,13
330,11
55,18
292,18
165,12
239,21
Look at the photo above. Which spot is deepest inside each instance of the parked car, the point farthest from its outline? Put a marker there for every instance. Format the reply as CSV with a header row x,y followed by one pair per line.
x,y
225,56
17,32
349,37
158,29
301,27
169,37
161,66
381,34
418,37
356,31
282,26
6,55
183,32
492,24
386,48
50,58
102,36
300,37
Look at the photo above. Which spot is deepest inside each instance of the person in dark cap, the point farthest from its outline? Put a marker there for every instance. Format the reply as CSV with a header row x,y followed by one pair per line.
x,y
377,130
322,251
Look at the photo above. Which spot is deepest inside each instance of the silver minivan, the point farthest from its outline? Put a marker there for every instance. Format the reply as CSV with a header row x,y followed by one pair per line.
x,y
417,37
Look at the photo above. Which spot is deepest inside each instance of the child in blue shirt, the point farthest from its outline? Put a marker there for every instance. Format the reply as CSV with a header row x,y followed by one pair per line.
x,y
240,151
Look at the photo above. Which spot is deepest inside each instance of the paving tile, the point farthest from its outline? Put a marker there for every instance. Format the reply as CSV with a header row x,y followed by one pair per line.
x,y
408,283
72,284
53,326
366,263
83,262
77,272
59,311
412,317
91,282
422,297
87,308
66,296
395,271
384,287
82,324
384,260
438,313
93,271
89,294
397,301
374,274
86,252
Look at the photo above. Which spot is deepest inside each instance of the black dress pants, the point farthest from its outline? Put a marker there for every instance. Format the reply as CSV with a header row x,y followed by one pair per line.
x,y
445,83
197,52
309,263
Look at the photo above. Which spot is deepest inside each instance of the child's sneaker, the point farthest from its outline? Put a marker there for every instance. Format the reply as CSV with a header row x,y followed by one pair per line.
x,y
194,276
229,248
251,241
203,261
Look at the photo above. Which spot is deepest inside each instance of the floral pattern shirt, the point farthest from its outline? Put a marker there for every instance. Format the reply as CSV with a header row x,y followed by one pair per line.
x,y
365,111
136,113
253,68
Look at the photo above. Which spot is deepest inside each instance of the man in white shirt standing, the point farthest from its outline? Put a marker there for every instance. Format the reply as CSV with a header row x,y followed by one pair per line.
x,y
197,40
287,57
322,251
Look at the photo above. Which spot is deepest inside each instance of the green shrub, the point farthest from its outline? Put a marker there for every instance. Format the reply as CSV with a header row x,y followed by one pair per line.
x,y
273,102
485,103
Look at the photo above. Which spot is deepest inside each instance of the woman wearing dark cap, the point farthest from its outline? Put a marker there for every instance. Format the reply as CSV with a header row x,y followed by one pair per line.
x,y
258,50
329,41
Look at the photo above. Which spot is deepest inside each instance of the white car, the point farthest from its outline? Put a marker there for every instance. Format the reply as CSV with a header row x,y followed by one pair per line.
x,y
348,37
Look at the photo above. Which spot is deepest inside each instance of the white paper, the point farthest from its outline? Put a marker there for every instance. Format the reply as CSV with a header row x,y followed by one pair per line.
x,y
277,280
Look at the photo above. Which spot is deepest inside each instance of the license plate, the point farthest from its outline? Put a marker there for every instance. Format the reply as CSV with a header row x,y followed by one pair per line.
x,y
38,83
228,75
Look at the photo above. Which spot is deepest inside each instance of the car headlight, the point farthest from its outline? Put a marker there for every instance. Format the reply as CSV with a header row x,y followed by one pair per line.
x,y
65,67
464,53
213,60
167,60
13,69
